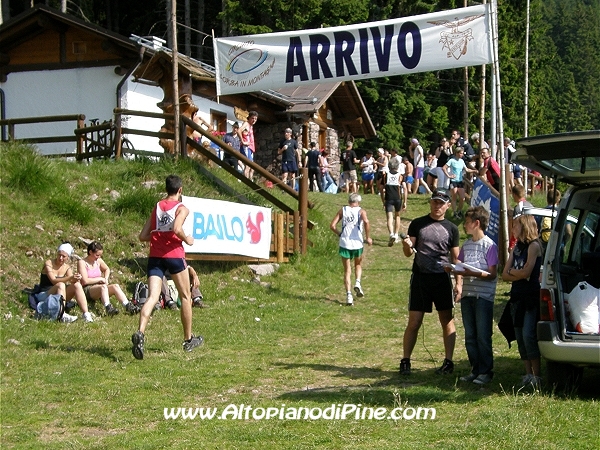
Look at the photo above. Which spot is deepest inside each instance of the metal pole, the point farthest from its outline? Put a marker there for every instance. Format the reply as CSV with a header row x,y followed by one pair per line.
x,y
466,101
502,243
482,108
526,112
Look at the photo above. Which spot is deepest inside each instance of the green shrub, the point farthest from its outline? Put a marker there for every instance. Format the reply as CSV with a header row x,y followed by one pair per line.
x,y
25,170
139,201
71,209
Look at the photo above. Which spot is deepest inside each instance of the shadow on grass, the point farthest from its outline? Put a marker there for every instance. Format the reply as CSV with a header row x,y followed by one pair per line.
x,y
424,386
103,352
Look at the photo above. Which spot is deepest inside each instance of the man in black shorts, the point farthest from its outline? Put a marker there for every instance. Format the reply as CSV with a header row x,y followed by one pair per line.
x,y
434,240
288,149
164,231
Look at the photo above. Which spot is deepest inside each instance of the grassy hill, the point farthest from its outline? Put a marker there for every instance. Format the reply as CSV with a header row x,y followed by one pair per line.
x,y
286,345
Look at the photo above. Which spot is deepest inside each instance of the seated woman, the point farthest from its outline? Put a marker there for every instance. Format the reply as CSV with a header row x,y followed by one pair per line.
x,y
55,275
94,278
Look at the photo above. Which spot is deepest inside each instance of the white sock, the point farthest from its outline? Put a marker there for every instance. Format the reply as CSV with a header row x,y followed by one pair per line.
x,y
126,302
86,315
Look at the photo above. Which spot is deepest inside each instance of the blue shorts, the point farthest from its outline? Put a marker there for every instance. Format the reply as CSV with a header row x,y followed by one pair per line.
x,y
247,152
289,167
158,266
457,184
410,179
368,176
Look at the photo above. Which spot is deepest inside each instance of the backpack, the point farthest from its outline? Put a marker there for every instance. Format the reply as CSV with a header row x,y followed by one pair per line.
x,y
52,307
140,295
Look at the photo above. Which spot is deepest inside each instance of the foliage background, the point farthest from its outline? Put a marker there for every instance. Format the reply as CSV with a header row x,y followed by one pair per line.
x,y
564,52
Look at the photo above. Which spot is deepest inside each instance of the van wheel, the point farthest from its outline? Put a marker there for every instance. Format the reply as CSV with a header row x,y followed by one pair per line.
x,y
563,376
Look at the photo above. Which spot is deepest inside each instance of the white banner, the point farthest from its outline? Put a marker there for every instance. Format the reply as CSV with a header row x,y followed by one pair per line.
x,y
227,228
442,40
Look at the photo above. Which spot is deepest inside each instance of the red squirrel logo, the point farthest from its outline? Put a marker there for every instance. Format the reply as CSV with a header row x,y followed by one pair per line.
x,y
254,228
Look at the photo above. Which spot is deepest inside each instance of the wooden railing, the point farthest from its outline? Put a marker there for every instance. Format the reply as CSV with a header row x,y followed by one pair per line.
x,y
78,118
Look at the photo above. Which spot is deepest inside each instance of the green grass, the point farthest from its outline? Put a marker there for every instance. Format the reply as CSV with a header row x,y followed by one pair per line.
x,y
78,386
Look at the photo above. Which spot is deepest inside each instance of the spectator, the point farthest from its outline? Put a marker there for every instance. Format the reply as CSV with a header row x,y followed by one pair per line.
x,y
248,140
476,290
233,139
489,169
382,168
418,155
367,166
354,220
430,165
325,167
518,196
288,149
164,231
468,153
454,170
54,277
95,276
514,169
437,178
312,162
408,171
479,145
349,159
523,270
433,240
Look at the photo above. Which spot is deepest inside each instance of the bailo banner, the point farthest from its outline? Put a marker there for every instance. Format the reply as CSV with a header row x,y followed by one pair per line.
x,y
227,228
442,40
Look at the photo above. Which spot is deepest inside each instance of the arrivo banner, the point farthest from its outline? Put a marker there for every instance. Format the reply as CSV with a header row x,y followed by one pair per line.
x,y
227,228
442,40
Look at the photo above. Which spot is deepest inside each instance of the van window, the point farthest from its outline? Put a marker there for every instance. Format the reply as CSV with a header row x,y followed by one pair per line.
x,y
580,236
567,255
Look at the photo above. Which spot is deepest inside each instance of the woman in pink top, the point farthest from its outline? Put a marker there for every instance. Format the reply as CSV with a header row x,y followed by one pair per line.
x,y
94,278
249,139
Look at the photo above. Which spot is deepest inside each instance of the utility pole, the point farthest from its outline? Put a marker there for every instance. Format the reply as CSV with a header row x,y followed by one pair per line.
x,y
175,60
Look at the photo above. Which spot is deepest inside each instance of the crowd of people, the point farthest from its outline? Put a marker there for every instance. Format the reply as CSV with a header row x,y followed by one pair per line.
x,y
443,272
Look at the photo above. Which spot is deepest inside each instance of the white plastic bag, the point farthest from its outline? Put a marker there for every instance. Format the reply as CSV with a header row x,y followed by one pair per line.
x,y
583,308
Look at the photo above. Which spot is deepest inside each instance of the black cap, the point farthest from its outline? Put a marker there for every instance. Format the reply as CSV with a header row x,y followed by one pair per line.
x,y
440,195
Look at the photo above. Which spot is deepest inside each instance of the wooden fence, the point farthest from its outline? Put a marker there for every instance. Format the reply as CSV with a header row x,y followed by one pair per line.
x,y
78,118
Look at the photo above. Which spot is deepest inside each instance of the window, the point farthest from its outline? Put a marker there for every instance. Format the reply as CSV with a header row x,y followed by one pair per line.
x,y
218,121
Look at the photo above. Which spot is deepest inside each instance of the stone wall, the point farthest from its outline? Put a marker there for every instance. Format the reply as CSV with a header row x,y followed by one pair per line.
x,y
268,136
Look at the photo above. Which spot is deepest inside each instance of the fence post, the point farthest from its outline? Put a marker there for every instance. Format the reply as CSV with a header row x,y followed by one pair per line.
x,y
279,235
118,134
303,209
80,138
